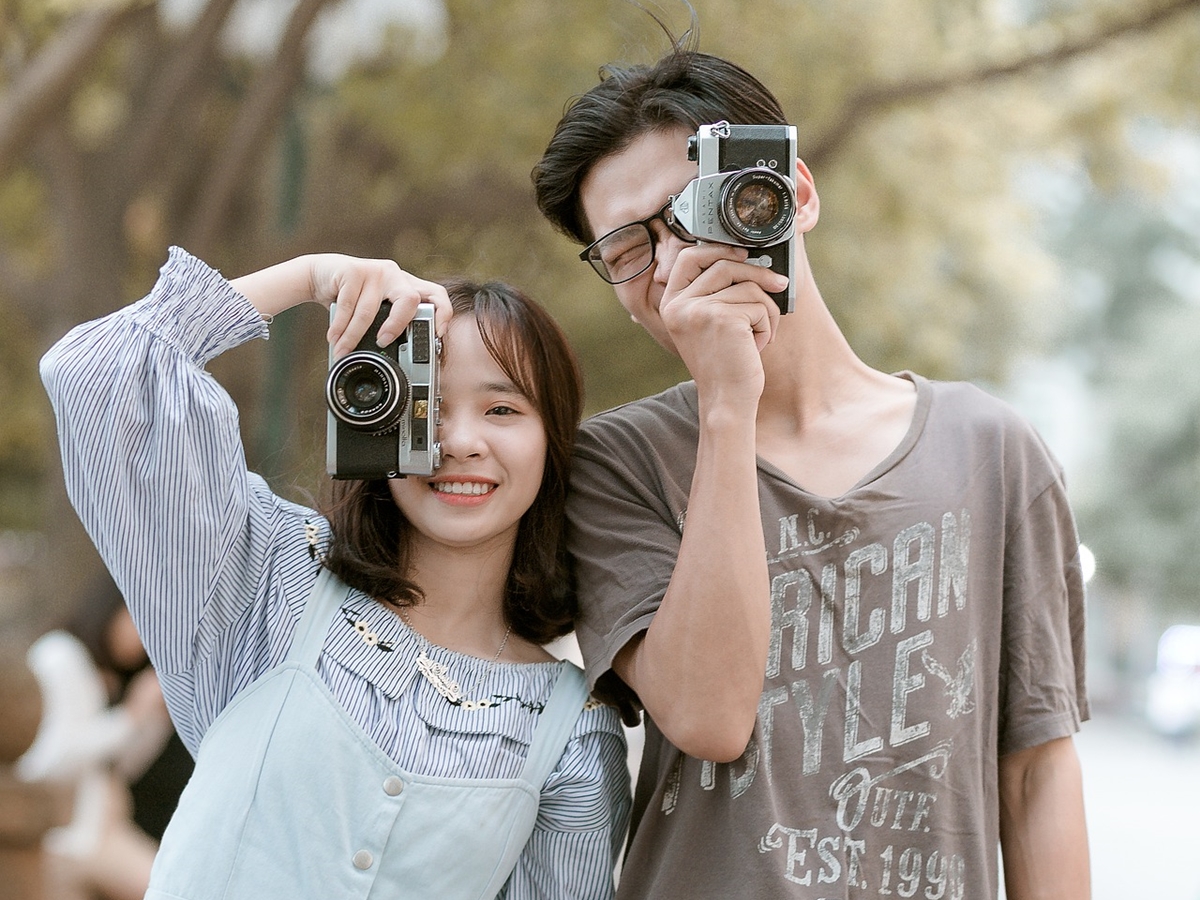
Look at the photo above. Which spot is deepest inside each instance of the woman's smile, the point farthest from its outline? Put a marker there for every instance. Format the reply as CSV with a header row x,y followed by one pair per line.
x,y
463,491
493,451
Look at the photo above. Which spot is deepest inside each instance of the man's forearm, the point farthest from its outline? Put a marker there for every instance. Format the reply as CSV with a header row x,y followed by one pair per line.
x,y
699,668
1043,834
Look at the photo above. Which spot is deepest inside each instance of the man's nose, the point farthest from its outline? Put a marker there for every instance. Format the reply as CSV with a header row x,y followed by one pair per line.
x,y
667,248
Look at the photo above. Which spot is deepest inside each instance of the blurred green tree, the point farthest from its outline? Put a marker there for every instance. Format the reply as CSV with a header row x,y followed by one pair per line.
x,y
122,131
1133,329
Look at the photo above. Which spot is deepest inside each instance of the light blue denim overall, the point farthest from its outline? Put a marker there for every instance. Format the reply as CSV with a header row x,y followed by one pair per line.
x,y
290,799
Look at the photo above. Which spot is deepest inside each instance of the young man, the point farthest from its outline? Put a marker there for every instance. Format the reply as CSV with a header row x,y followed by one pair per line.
x,y
896,555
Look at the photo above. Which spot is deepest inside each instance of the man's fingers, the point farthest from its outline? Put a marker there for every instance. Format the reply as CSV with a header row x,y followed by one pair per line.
x,y
723,273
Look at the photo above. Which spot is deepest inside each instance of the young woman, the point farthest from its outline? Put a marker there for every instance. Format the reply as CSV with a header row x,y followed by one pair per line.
x,y
366,691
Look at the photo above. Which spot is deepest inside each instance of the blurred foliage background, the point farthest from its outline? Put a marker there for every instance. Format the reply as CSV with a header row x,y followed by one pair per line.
x,y
1004,184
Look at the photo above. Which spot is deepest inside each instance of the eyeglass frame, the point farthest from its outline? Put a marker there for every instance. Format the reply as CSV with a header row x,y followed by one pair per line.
x,y
663,215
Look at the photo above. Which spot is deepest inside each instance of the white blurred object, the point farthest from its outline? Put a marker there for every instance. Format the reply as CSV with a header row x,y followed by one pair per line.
x,y
84,742
1173,697
345,32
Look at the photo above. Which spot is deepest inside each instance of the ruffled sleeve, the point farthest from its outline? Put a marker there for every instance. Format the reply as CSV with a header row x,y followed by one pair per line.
x,y
154,465
582,817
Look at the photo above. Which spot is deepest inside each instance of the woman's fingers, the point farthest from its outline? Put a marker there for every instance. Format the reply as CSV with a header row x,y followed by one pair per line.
x,y
359,288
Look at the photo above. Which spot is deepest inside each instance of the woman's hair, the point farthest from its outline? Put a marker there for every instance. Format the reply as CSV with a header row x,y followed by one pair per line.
x,y
372,539
684,88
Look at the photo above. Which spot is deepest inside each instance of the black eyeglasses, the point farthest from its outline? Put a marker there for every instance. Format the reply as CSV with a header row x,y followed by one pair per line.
x,y
628,251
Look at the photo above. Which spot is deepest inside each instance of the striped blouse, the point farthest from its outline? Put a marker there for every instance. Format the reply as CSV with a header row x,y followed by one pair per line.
x,y
216,569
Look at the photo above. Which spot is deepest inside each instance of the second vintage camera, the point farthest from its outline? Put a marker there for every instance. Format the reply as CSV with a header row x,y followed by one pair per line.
x,y
383,403
745,195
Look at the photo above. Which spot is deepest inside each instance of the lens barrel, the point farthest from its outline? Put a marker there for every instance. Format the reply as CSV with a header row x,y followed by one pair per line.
x,y
367,391
757,206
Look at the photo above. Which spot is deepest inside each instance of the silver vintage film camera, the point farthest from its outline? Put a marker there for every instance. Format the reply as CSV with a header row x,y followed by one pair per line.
x,y
384,401
745,195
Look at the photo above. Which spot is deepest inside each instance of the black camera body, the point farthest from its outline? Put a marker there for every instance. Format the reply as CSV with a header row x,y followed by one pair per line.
x,y
745,195
384,402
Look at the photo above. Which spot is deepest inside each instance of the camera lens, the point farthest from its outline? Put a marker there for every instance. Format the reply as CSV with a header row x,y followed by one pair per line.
x,y
364,389
367,391
758,206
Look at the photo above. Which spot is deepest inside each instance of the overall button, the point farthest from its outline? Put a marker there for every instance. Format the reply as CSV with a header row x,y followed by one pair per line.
x,y
363,859
392,786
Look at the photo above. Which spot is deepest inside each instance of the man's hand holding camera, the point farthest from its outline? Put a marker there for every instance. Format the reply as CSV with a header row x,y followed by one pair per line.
x,y
742,208
713,301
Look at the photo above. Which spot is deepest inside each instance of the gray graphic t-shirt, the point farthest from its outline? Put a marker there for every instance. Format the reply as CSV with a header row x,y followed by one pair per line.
x,y
924,623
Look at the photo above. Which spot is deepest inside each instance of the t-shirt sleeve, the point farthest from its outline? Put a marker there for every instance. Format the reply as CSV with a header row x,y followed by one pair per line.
x,y
625,514
1043,693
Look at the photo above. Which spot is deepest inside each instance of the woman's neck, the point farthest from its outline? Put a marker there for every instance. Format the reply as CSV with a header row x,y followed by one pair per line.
x,y
464,595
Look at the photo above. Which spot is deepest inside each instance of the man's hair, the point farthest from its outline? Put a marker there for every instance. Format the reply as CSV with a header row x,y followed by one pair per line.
x,y
684,88
370,549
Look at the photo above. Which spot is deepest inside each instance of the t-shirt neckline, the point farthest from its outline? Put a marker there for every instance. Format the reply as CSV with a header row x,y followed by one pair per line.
x,y
915,428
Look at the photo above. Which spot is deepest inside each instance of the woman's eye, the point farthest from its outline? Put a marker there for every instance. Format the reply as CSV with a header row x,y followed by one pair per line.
x,y
501,411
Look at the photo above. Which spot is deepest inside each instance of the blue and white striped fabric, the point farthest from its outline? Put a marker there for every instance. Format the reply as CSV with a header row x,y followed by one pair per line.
x,y
216,569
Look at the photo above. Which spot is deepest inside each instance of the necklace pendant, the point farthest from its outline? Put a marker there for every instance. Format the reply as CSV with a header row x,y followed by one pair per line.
x,y
436,674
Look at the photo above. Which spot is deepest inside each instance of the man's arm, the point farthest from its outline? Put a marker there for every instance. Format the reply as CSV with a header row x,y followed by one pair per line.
x,y
1043,836
699,668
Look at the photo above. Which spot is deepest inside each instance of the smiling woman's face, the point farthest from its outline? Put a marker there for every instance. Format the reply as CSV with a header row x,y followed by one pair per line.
x,y
493,452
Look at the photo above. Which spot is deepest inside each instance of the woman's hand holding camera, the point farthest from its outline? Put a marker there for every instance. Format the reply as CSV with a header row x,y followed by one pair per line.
x,y
358,286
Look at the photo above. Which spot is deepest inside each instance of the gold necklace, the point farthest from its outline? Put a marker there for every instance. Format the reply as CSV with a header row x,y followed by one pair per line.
x,y
438,675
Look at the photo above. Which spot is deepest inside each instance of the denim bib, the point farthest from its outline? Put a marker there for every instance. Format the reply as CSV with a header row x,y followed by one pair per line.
x,y
290,799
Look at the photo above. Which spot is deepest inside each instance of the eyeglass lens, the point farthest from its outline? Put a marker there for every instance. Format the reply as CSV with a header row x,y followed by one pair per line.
x,y
624,254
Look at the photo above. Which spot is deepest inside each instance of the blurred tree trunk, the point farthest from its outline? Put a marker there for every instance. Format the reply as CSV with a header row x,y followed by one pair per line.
x,y
116,189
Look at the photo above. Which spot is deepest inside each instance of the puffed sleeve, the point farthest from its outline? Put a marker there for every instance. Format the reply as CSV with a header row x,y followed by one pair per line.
x,y
154,465
582,817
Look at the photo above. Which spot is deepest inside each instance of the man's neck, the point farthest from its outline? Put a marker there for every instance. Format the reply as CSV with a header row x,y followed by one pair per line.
x,y
826,418
809,366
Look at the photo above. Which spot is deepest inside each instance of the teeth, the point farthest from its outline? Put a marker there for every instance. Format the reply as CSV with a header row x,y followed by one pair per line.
x,y
473,488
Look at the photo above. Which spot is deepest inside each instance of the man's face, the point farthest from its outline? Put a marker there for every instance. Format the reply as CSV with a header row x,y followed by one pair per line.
x,y
629,186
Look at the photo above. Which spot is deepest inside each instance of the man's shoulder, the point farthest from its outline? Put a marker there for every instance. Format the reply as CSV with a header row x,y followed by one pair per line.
x,y
963,414
969,404
671,411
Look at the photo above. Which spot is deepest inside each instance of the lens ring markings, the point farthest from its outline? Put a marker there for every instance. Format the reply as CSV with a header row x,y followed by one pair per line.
x,y
367,391
758,206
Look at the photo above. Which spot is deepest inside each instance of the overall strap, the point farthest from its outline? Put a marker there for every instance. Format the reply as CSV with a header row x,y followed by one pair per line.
x,y
555,724
327,593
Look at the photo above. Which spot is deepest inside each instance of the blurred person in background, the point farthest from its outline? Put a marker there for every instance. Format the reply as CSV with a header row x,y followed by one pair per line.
x,y
27,809
104,730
